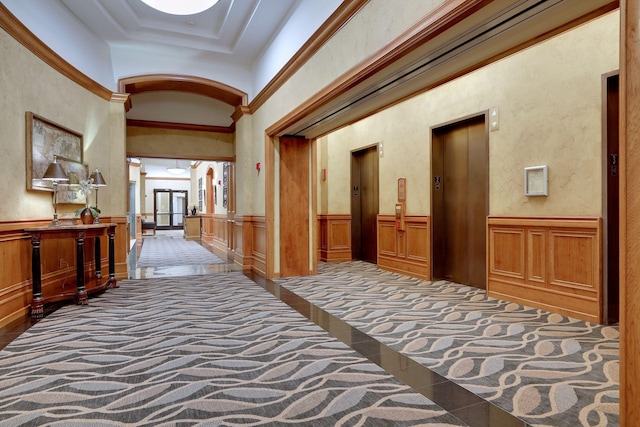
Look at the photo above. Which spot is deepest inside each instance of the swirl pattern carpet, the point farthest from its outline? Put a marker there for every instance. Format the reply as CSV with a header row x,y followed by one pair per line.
x,y
544,368
201,350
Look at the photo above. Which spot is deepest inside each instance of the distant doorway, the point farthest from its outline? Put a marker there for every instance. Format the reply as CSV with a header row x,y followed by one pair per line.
x,y
170,208
460,201
364,204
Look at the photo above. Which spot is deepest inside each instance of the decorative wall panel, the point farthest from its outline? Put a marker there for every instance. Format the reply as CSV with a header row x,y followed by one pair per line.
x,y
551,263
406,251
335,238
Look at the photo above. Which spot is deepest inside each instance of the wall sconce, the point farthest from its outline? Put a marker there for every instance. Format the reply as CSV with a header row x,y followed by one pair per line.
x,y
98,181
55,173
258,167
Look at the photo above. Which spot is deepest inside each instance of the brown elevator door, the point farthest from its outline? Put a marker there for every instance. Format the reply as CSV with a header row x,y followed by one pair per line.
x,y
364,204
460,168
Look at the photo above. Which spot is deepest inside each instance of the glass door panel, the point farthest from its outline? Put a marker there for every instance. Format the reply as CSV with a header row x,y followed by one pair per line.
x,y
170,206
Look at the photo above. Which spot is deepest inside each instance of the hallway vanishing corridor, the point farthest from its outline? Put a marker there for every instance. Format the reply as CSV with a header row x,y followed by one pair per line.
x,y
478,358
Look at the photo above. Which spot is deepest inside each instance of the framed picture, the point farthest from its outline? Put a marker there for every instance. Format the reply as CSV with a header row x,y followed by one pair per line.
x,y
46,140
536,181
71,191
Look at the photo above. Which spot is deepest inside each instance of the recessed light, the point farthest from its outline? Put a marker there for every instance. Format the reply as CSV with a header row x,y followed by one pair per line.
x,y
182,7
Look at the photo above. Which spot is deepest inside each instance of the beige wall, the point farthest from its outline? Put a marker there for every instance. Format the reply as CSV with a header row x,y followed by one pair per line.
x,y
549,97
151,142
201,172
28,84
360,38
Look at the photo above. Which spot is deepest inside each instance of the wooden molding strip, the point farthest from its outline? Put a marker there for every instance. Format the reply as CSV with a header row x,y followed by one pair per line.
x,y
336,21
18,31
179,126
183,83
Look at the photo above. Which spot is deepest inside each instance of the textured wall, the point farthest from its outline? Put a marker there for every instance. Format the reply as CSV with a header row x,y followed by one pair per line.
x,y
192,144
550,101
28,84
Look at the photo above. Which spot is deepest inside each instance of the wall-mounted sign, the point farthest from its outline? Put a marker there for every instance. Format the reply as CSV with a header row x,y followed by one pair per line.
x,y
402,189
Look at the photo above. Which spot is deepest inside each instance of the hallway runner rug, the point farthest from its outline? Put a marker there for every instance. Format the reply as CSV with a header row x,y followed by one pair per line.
x,y
544,368
196,351
171,251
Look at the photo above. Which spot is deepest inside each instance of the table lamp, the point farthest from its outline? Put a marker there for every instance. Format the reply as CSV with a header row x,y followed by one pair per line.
x,y
55,173
97,181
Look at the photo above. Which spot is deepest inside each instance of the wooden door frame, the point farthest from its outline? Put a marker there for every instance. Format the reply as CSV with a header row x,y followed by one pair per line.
x,y
629,214
271,171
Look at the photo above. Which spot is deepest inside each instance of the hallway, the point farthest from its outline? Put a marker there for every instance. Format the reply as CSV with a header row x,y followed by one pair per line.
x,y
478,358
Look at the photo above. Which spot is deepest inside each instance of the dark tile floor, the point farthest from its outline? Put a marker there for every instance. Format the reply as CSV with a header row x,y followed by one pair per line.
x,y
466,406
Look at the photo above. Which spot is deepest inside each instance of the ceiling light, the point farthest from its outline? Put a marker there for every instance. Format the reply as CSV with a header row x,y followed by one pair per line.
x,y
182,7
177,170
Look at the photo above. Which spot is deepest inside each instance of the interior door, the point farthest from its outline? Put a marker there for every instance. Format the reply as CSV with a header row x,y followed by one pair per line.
x,y
364,204
170,207
460,187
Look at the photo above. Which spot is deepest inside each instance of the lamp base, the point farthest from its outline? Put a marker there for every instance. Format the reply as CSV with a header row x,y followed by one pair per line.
x,y
55,222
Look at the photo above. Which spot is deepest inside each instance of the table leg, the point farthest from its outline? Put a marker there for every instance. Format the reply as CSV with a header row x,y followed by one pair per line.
x,y
112,283
37,303
98,257
81,293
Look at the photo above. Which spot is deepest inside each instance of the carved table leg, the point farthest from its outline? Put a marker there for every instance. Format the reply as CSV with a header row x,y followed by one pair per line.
x,y
81,294
113,283
37,303
98,257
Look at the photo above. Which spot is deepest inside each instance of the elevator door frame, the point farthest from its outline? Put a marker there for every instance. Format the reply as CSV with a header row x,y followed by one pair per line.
x,y
434,173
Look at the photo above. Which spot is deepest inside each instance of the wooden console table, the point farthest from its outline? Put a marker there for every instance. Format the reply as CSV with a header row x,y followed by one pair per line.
x,y
79,233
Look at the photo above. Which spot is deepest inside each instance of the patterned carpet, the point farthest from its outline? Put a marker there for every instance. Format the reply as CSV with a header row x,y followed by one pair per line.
x,y
161,251
200,350
544,368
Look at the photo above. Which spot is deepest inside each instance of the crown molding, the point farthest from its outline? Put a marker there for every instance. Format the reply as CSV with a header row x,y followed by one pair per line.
x,y
26,38
179,126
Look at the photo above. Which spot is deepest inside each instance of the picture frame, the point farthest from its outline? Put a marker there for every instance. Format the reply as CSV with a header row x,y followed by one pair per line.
x,y
536,181
46,140
71,192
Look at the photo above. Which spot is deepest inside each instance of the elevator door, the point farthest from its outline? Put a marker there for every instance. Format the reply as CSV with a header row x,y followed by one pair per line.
x,y
612,203
460,187
364,204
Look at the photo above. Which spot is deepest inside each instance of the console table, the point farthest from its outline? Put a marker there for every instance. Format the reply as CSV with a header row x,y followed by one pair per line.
x,y
79,233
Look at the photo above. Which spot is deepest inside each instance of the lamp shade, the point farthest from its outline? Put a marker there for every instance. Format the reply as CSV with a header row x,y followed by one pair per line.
x,y
55,172
98,179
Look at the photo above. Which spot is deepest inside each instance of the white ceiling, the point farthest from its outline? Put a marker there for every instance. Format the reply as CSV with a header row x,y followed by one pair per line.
x,y
234,31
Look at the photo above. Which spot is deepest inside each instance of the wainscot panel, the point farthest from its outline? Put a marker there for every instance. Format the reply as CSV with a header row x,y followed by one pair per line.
x,y
58,261
406,251
335,238
550,263
214,233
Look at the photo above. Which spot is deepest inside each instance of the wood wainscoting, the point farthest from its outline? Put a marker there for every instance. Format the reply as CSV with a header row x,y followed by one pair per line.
x,y
249,240
405,251
58,260
549,263
214,233
335,238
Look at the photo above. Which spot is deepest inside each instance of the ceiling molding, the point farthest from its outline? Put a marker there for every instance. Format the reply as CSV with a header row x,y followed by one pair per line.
x,y
173,155
182,83
26,38
370,86
331,26
436,22
179,126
